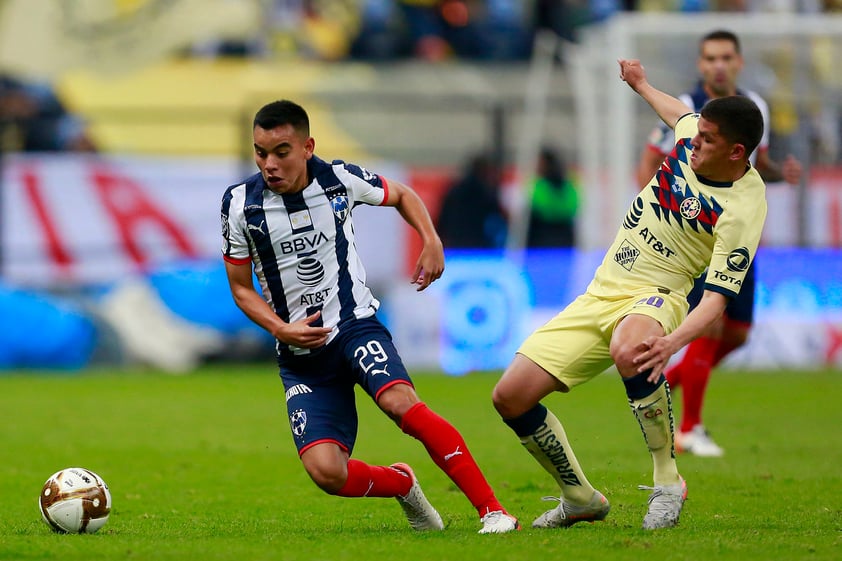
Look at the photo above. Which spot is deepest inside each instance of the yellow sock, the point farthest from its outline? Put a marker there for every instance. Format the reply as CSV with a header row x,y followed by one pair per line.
x,y
654,414
549,445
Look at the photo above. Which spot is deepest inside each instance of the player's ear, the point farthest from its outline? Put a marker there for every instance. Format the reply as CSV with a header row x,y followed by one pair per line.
x,y
738,152
309,146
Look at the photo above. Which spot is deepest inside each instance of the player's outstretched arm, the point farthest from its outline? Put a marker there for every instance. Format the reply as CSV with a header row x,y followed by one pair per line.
x,y
430,264
668,108
647,165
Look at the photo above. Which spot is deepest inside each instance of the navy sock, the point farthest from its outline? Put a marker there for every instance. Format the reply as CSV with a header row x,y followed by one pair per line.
x,y
638,387
529,422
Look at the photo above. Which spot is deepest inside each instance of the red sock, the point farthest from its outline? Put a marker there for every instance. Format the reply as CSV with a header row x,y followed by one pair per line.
x,y
722,350
673,374
374,481
698,362
448,450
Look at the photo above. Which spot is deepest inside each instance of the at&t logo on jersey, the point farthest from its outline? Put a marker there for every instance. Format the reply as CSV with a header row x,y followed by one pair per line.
x,y
310,272
655,243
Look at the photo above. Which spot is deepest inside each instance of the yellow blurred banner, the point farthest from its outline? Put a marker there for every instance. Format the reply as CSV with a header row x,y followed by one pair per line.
x,y
44,38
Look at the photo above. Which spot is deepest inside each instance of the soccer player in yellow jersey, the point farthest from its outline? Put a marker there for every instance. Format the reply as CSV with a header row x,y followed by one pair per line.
x,y
703,209
719,63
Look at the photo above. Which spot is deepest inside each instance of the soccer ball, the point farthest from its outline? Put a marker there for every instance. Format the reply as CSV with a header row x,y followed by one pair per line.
x,y
75,501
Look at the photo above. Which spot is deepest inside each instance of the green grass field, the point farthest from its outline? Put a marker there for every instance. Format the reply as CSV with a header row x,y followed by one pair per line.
x,y
202,467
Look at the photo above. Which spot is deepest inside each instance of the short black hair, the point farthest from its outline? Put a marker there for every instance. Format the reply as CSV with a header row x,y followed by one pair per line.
x,y
738,118
282,112
721,35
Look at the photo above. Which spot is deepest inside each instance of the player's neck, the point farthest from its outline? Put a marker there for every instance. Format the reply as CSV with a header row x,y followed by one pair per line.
x,y
728,175
712,94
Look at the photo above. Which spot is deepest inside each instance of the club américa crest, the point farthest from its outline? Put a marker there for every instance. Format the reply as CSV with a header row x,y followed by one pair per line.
x,y
690,208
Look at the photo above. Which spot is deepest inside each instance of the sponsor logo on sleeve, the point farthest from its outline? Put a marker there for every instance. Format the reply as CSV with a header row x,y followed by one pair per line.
x,y
367,175
722,276
739,260
226,234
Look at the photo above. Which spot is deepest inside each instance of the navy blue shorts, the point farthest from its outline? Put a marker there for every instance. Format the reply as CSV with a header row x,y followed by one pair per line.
x,y
320,386
739,309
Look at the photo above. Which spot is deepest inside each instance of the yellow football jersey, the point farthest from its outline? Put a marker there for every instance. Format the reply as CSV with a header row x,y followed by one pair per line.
x,y
680,224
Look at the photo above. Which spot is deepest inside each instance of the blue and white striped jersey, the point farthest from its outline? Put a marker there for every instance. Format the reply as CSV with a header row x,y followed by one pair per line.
x,y
302,244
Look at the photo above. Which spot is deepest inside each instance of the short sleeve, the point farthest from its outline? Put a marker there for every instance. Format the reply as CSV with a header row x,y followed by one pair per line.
x,y
364,186
235,248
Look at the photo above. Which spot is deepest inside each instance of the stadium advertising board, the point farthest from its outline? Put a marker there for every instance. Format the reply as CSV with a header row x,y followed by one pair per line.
x,y
69,223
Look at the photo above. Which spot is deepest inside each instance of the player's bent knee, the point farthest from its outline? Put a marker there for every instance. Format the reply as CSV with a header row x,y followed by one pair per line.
x,y
329,478
623,357
501,403
327,465
507,405
396,400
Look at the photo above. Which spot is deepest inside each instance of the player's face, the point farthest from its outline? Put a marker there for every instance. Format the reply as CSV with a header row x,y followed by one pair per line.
x,y
711,152
719,65
281,154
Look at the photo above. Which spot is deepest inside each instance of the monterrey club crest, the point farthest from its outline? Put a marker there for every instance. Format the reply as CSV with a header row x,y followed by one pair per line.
x,y
298,421
340,207
690,208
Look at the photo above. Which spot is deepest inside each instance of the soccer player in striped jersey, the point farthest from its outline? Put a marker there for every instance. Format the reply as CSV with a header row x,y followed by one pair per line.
x,y
291,224
705,207
720,63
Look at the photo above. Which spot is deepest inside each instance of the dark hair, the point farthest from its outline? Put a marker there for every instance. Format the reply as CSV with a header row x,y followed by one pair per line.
x,y
283,112
721,35
552,165
738,118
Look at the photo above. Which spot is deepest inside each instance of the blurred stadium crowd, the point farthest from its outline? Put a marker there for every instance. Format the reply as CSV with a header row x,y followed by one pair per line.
x,y
34,115
438,30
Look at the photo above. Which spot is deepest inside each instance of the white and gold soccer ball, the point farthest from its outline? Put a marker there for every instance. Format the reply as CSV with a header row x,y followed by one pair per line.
x,y
75,501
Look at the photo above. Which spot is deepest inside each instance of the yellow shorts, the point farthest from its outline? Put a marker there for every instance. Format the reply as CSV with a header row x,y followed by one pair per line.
x,y
574,345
